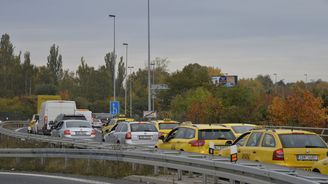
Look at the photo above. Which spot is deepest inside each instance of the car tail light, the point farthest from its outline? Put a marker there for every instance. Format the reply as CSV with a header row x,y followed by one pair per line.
x,y
93,132
128,135
67,132
197,143
45,119
278,154
160,134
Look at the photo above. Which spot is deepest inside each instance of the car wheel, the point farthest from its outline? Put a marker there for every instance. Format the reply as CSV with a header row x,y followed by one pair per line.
x,y
316,170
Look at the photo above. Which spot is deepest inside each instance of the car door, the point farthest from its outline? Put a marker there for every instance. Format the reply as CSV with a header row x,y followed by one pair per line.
x,y
265,151
56,131
169,141
112,135
183,137
122,133
249,151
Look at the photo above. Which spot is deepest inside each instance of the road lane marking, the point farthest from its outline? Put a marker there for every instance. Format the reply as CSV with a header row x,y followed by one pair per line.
x,y
55,177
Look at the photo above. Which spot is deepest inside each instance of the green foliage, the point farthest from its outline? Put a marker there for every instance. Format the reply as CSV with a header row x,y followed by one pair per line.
x,y
54,64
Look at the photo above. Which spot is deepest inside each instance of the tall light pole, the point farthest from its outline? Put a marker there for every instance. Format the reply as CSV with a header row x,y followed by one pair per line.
x,y
275,78
114,60
153,90
126,74
130,88
305,78
149,95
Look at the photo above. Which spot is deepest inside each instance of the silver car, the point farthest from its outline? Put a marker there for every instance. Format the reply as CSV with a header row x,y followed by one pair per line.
x,y
75,129
134,133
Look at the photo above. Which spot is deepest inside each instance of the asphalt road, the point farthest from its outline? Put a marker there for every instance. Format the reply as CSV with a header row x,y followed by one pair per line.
x,y
34,178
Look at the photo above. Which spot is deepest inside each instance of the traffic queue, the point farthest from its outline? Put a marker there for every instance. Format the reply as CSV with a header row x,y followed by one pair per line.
x,y
287,147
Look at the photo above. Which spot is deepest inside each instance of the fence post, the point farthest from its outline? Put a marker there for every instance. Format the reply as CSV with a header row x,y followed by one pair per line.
x,y
179,174
156,170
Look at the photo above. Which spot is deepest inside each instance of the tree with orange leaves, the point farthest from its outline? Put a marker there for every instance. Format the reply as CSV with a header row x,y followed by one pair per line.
x,y
300,108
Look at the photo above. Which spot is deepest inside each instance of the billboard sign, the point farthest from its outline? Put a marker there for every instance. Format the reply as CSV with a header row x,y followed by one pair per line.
x,y
227,81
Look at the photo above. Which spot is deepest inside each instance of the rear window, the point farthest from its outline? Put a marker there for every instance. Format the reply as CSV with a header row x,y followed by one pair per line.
x,y
301,141
74,117
165,126
242,129
143,127
215,134
78,124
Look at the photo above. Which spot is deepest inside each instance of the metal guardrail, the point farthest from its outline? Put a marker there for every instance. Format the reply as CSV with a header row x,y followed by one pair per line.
x,y
219,168
207,165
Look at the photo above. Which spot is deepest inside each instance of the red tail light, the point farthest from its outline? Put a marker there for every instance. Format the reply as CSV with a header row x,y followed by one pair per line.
x,y
67,132
278,155
197,143
128,135
160,134
45,119
93,132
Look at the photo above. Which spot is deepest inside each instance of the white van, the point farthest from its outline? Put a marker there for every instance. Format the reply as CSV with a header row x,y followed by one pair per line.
x,y
87,113
50,110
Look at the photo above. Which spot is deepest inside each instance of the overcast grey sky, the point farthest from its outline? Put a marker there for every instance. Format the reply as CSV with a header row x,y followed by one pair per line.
x,y
244,38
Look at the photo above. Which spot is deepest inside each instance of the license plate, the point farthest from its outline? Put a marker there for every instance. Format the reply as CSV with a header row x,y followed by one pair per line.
x,y
307,157
144,137
80,133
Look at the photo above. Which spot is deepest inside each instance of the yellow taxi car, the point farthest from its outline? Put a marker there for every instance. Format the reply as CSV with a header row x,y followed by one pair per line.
x,y
239,128
291,148
108,126
196,138
165,126
321,166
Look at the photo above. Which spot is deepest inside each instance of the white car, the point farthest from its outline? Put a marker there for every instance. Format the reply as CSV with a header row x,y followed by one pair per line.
x,y
133,133
74,129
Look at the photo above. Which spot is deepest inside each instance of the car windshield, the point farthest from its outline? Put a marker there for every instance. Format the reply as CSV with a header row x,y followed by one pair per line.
x,y
215,134
242,128
78,124
301,141
167,126
143,127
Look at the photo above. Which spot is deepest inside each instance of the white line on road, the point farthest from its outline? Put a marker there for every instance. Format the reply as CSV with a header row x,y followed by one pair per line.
x,y
55,177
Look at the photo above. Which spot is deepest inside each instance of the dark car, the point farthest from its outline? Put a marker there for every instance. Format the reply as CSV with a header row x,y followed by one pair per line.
x,y
62,117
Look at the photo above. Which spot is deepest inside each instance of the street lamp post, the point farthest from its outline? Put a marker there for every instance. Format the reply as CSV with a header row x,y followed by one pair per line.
x,y
126,74
114,60
130,88
149,95
275,78
305,78
153,90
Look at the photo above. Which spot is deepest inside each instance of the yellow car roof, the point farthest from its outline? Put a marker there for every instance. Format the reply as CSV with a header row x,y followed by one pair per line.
x,y
285,131
206,126
165,121
237,124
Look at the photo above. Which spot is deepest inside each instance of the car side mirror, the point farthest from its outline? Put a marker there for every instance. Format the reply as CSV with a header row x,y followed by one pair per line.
x,y
228,143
